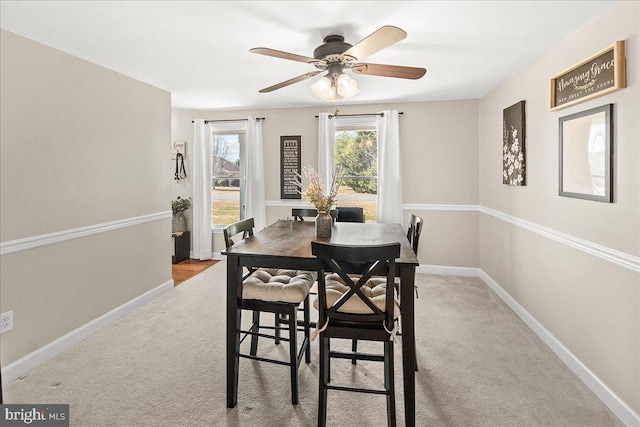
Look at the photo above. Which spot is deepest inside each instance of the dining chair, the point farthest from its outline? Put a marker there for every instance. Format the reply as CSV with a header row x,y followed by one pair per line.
x,y
414,230
299,214
279,292
350,214
350,307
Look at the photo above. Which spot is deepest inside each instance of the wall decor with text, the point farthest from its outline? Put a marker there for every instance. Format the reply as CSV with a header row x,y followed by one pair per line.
x,y
513,145
290,166
585,154
597,75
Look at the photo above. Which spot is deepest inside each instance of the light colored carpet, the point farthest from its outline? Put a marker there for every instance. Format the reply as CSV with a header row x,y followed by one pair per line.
x,y
164,365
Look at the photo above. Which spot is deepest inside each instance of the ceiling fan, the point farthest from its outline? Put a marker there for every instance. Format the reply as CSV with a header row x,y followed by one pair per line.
x,y
335,56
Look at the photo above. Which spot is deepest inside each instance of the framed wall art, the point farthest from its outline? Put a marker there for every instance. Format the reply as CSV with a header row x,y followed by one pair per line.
x,y
513,145
290,166
585,154
597,75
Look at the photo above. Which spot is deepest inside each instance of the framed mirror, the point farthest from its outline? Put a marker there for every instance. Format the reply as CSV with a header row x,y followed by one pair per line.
x,y
585,154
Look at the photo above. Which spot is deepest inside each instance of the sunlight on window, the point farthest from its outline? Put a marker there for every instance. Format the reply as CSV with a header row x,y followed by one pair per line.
x,y
357,153
228,179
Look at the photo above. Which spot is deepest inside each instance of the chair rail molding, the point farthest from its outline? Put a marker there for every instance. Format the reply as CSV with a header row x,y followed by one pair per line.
x,y
27,243
622,259
619,258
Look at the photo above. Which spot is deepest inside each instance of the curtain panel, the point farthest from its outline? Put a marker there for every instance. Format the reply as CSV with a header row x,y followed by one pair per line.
x,y
203,140
326,143
254,205
389,168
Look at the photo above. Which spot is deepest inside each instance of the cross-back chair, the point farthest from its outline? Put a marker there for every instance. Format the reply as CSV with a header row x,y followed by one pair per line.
x,y
352,307
279,292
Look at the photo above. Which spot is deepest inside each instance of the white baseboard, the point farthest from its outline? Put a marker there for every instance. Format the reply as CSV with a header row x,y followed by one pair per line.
x,y
618,406
36,358
214,255
448,270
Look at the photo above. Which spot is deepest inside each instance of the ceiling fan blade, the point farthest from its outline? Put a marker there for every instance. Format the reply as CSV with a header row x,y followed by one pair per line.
x,y
284,55
290,81
398,71
376,41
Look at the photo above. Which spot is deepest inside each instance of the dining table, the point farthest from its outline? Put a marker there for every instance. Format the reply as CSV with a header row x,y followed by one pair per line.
x,y
287,244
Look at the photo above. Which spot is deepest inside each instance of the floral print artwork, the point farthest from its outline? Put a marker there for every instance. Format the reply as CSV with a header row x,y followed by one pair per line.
x,y
513,133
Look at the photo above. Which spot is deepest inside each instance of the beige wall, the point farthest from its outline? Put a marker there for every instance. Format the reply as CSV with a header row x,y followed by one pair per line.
x,y
80,146
439,151
592,306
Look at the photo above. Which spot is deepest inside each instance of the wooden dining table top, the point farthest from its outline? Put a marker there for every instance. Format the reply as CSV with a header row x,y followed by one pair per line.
x,y
292,239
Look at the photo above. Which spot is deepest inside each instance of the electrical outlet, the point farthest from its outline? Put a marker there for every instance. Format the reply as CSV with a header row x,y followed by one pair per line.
x,y
6,322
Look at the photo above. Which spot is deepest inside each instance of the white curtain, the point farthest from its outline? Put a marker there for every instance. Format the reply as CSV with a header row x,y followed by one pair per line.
x,y
203,139
326,142
389,168
254,197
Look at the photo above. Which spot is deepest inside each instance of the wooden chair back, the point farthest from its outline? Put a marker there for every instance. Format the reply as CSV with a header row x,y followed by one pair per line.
x,y
244,226
366,261
299,214
414,230
350,214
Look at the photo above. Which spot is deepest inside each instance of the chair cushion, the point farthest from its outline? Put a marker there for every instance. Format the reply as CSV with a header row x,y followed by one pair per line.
x,y
375,289
270,284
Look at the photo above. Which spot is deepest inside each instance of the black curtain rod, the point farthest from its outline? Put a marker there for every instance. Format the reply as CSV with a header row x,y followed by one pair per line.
x,y
230,120
357,115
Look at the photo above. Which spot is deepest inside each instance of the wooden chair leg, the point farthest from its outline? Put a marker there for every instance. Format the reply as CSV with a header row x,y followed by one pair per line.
x,y
293,353
328,374
389,383
354,348
255,328
307,334
277,326
322,381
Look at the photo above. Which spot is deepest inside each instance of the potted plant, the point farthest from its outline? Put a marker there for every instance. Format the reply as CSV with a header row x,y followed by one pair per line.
x,y
179,222
316,195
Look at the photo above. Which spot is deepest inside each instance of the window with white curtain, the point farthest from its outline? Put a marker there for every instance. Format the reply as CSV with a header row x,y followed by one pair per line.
x,y
356,151
228,177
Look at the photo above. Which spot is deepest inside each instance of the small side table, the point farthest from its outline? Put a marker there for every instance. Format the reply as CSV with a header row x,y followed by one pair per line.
x,y
181,246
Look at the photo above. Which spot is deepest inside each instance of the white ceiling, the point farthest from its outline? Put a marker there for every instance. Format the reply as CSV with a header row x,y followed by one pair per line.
x,y
199,50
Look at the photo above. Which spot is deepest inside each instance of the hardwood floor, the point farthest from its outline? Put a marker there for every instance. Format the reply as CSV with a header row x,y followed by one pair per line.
x,y
189,268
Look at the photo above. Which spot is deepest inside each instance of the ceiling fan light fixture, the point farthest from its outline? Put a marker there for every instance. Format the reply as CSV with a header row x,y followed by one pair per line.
x,y
333,90
347,87
322,88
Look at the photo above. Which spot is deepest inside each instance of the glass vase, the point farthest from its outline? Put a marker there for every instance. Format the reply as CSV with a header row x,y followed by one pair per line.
x,y
323,224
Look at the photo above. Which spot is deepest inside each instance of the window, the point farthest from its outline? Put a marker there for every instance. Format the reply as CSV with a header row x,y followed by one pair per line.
x,y
356,151
228,178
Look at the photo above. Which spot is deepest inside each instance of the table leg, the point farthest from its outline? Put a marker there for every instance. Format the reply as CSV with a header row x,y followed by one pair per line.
x,y
234,295
407,278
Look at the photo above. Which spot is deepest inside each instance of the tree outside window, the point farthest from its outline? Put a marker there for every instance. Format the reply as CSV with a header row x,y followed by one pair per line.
x,y
228,179
356,151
